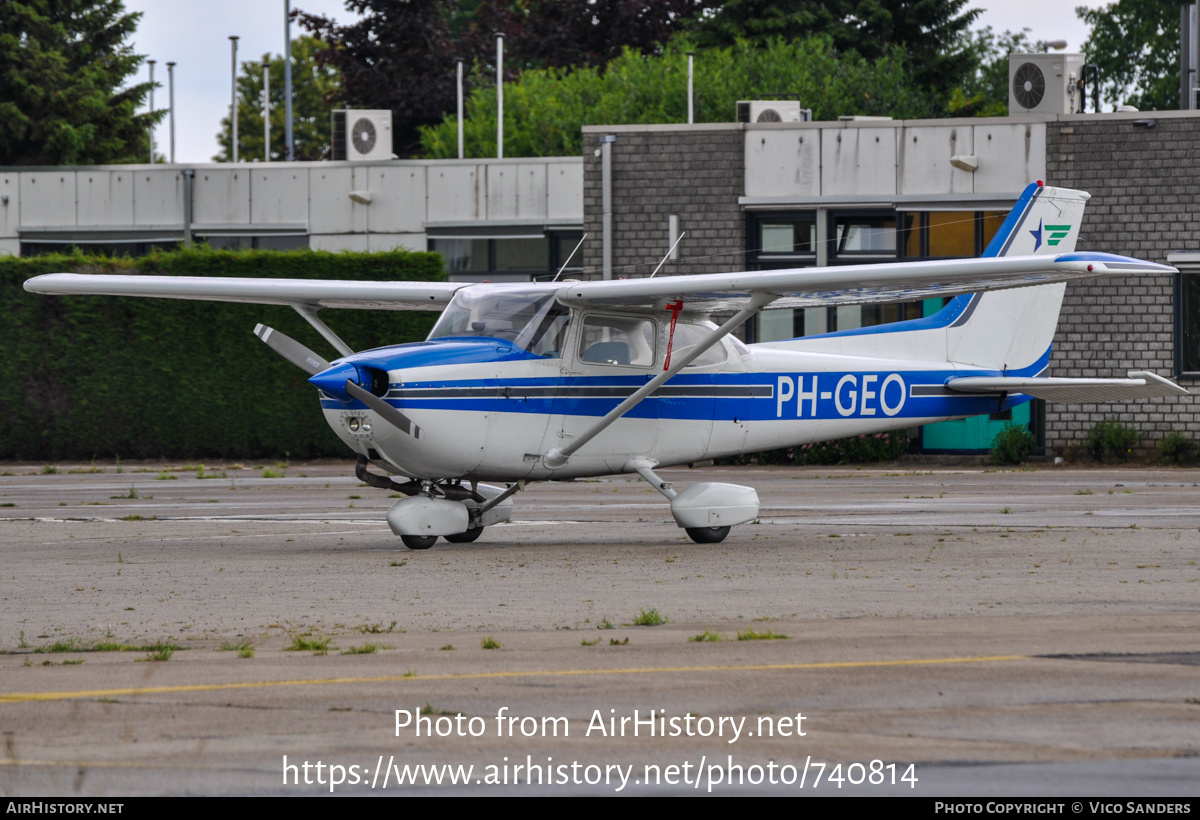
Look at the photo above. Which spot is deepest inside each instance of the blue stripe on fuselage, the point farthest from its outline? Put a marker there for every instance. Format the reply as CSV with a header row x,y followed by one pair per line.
x,y
864,394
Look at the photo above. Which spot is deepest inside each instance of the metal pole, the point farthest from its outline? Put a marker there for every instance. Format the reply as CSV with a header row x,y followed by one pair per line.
x,y
287,80
189,176
151,63
606,220
499,95
233,107
266,108
171,102
1193,53
459,72
691,109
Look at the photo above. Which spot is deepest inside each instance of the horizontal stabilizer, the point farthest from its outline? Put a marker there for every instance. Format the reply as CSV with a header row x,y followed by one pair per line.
x,y
1141,384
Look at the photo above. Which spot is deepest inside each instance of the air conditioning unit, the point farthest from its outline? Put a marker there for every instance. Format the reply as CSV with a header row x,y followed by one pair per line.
x,y
1044,83
772,111
362,135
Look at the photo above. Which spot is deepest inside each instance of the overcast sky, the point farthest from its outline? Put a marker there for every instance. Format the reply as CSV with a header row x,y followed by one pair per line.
x,y
196,37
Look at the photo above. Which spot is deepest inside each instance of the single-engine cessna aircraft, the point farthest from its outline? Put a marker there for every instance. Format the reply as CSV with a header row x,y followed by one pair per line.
x,y
530,382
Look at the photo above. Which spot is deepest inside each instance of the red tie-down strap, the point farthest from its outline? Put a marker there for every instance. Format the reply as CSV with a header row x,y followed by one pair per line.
x,y
674,307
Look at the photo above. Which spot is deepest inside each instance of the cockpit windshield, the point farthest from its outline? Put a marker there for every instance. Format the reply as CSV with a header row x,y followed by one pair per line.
x,y
529,318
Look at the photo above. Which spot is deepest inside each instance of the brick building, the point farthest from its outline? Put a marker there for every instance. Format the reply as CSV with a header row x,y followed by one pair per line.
x,y
789,195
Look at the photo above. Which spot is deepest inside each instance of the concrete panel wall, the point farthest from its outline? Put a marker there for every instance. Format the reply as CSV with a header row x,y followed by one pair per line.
x,y
10,211
104,197
1011,155
783,162
405,196
456,193
158,197
278,195
858,161
48,198
221,196
329,190
397,199
564,191
924,160
10,247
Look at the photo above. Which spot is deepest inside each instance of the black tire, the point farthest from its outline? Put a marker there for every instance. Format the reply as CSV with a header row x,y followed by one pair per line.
x,y
707,535
419,542
465,537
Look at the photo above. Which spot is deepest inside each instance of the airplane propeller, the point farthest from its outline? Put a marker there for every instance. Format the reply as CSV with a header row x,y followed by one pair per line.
x,y
290,349
309,361
384,410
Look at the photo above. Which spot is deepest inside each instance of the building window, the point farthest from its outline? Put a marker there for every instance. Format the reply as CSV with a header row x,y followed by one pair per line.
x,y
1187,319
789,240
856,236
521,258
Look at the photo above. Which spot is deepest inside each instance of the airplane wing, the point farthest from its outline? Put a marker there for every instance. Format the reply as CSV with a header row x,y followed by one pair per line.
x,y
853,284
316,293
1141,384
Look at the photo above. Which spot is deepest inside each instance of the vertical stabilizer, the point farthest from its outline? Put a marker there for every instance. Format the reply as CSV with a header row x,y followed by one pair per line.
x,y
1011,330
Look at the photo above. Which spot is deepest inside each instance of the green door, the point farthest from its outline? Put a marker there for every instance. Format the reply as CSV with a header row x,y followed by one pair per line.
x,y
974,433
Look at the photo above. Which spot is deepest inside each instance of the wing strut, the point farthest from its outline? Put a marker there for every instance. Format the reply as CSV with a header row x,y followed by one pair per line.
x,y
310,314
559,456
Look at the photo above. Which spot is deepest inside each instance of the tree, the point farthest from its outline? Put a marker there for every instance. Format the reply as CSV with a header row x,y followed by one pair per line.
x,y
1136,45
313,84
566,33
62,65
930,31
401,54
545,109
398,56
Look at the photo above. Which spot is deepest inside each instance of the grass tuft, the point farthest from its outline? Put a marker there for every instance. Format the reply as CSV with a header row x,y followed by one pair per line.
x,y
708,636
365,649
489,643
649,617
765,635
315,644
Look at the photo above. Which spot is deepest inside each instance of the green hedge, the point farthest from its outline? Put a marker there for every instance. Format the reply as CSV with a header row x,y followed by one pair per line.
x,y
97,377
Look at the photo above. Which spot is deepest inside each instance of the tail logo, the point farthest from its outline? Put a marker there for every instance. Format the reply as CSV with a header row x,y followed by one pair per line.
x,y
1057,234
1037,237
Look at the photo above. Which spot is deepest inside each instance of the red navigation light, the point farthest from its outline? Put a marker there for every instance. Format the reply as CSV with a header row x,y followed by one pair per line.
x,y
1041,184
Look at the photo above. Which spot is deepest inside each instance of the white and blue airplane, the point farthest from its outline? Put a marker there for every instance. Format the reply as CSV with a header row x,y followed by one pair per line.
x,y
558,380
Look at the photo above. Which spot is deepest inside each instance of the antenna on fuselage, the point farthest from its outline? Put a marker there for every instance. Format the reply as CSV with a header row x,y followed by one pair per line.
x,y
668,256
569,258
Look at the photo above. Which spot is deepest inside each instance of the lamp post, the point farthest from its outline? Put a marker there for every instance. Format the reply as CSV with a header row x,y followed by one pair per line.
x,y
287,80
233,40
267,107
151,63
499,95
459,71
171,103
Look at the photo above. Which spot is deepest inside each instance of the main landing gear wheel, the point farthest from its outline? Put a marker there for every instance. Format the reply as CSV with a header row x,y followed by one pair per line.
x,y
707,535
465,537
419,542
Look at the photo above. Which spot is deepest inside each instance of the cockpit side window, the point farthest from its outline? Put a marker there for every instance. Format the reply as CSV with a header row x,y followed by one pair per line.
x,y
618,340
690,334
